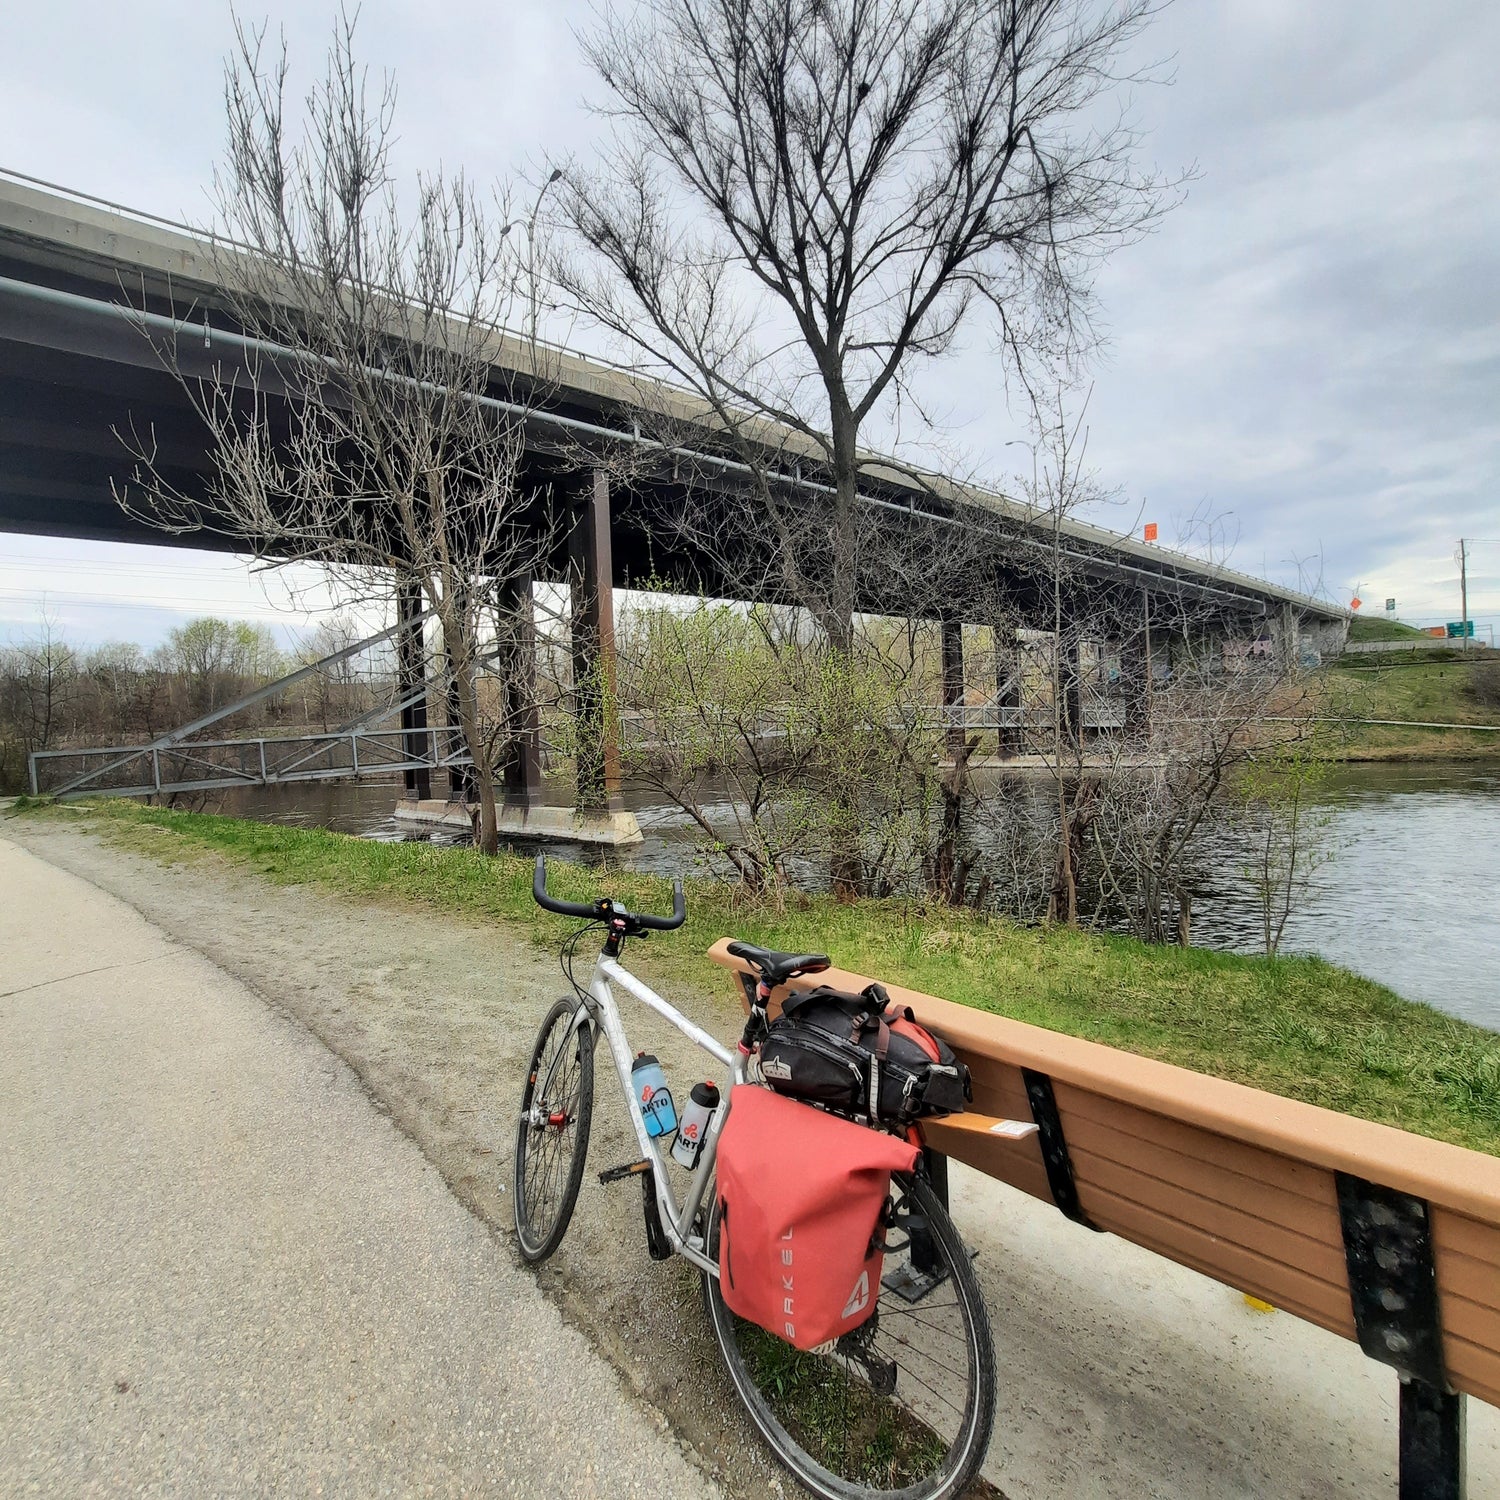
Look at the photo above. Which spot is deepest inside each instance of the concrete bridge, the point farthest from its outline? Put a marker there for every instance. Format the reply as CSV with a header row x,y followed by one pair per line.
x,y
75,368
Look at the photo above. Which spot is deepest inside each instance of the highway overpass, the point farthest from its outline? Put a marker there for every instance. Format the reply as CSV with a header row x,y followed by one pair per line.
x,y
80,278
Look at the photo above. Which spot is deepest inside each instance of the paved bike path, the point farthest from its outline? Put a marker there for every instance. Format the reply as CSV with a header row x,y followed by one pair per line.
x,y
226,1272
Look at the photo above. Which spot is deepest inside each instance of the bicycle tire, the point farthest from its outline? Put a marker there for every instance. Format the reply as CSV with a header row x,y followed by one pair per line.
x,y
744,1349
550,1153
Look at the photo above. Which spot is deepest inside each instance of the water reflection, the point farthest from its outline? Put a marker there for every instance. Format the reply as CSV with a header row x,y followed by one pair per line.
x,y
1409,899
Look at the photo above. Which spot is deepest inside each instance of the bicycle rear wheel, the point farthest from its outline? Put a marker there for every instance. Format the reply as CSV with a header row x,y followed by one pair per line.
x,y
552,1134
903,1407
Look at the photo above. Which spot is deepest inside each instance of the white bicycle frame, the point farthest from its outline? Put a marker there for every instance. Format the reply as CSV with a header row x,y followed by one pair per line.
x,y
600,1010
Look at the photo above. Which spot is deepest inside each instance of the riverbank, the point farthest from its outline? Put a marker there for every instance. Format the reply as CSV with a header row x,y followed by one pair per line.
x,y
1409,691
1295,1026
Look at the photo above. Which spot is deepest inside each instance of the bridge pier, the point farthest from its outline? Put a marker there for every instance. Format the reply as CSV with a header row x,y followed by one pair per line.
x,y
590,579
1070,679
1136,671
954,729
411,675
1009,738
461,786
520,764
598,815
599,810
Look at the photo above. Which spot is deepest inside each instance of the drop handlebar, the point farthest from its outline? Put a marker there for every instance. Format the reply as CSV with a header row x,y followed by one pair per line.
x,y
605,909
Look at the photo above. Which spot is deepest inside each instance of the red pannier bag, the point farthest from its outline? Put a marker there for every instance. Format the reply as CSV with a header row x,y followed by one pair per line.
x,y
801,1203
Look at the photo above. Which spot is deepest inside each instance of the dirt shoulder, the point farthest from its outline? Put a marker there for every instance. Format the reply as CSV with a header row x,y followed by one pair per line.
x,y
437,1018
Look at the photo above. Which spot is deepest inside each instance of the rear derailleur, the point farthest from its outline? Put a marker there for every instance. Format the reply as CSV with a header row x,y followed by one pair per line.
x,y
857,1346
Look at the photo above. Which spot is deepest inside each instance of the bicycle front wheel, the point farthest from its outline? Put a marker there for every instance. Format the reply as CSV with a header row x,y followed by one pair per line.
x,y
901,1408
552,1135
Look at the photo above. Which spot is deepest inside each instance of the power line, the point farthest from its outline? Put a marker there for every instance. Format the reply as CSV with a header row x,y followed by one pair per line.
x,y
96,600
71,565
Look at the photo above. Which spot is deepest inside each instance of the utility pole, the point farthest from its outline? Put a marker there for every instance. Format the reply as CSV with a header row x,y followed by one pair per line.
x,y
1463,586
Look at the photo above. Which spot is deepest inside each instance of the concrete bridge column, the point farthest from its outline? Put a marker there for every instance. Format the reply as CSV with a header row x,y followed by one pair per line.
x,y
1008,738
1136,671
1070,676
953,685
521,755
411,674
593,631
1288,630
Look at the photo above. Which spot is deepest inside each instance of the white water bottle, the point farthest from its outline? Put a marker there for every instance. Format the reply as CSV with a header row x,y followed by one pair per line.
x,y
702,1103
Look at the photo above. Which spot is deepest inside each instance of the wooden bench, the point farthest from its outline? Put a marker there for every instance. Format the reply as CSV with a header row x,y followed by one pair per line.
x,y
1374,1233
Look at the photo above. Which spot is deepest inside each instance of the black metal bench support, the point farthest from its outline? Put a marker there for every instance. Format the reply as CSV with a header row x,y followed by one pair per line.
x,y
1432,1443
1054,1143
937,1174
1393,1293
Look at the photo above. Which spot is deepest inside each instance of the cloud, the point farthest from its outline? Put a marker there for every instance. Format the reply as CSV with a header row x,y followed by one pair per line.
x,y
1311,342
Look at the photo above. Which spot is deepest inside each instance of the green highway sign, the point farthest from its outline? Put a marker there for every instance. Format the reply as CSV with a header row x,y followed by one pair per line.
x,y
1458,628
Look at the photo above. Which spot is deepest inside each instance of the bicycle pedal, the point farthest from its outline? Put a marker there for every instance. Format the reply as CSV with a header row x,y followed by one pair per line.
x,y
619,1174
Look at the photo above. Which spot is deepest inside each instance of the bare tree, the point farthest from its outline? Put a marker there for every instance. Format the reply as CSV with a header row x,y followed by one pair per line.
x,y
367,436
124,691
716,719
812,198
40,683
334,691
726,712
1286,829
1143,709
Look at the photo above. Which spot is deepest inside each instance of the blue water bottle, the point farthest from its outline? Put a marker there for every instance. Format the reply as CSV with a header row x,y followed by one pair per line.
x,y
653,1095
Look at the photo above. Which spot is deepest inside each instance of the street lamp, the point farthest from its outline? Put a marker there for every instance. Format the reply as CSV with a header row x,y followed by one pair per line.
x,y
530,226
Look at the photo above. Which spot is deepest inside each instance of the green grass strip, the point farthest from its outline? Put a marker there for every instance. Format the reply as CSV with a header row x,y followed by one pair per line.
x,y
1300,1027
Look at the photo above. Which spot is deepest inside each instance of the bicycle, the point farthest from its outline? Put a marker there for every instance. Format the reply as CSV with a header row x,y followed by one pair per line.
x,y
903,1406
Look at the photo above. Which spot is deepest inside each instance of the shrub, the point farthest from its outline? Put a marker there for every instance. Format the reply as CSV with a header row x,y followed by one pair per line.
x,y
1485,682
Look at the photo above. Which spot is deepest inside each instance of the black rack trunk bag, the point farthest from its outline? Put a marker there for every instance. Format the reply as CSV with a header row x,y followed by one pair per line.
x,y
858,1056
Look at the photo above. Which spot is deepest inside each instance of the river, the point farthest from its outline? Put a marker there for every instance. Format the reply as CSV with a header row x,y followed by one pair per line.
x,y
1410,897
1412,894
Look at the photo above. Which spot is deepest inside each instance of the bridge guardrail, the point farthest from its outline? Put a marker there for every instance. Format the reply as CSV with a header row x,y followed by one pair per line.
x,y
1379,1235
1426,643
202,765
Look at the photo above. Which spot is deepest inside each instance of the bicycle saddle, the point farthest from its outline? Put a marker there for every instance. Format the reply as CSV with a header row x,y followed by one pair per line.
x,y
776,968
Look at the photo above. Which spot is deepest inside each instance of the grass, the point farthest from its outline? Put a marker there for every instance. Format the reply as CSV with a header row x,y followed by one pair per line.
x,y
836,1417
1435,688
1295,1026
1378,628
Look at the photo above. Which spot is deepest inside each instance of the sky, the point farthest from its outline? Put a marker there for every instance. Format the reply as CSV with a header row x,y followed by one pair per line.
x,y
1301,365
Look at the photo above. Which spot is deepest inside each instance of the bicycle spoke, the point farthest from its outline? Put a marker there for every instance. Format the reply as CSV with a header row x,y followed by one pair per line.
x,y
947,1369
552,1132
908,1313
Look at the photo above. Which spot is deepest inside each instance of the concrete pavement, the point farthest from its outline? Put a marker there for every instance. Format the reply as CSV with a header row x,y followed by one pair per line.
x,y
225,1271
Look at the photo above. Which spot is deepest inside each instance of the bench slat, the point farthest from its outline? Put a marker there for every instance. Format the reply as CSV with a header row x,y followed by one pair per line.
x,y
1265,1197
1322,1259
1189,1141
